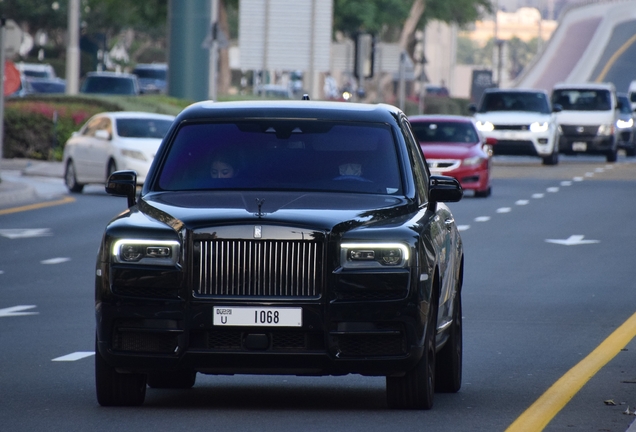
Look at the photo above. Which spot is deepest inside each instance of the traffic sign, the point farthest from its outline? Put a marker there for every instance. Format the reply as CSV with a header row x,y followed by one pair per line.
x,y
12,38
11,78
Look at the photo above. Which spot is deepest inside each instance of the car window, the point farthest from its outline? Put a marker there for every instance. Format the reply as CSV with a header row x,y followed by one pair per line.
x,y
582,99
93,126
444,132
151,73
515,101
308,155
419,167
108,85
142,127
626,107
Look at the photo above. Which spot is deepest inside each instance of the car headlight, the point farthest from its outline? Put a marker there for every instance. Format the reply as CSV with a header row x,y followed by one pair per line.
x,y
152,252
472,161
605,130
539,127
134,154
623,124
373,255
485,126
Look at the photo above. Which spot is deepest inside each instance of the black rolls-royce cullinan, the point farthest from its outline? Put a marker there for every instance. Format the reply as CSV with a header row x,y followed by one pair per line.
x,y
296,237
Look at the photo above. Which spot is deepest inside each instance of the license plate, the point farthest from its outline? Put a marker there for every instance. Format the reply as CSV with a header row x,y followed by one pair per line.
x,y
257,316
579,146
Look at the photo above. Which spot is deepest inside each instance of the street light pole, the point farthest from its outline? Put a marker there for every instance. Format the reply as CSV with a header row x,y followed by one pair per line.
x,y
72,48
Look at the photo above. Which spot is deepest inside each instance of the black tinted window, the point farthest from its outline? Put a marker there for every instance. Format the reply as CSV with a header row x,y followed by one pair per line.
x,y
515,101
283,155
582,99
444,132
142,128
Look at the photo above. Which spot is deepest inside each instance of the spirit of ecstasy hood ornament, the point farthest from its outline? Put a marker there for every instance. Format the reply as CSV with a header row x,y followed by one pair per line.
x,y
260,202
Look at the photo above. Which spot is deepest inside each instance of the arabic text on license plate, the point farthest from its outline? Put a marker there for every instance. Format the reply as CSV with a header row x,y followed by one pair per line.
x,y
257,316
579,146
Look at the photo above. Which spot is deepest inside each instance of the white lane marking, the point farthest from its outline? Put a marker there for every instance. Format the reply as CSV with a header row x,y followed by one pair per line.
x,y
599,170
75,356
463,227
17,311
504,210
1,271
537,196
566,183
522,202
25,233
609,166
578,179
482,219
55,260
589,174
573,240
553,189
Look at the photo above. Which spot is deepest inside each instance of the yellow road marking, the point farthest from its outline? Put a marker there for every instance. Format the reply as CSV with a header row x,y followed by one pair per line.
x,y
612,60
64,200
556,397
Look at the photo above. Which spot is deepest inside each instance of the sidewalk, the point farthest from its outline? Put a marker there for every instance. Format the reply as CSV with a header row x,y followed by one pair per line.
x,y
16,192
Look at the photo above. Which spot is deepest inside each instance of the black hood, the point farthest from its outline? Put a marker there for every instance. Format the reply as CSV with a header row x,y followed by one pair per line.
x,y
323,211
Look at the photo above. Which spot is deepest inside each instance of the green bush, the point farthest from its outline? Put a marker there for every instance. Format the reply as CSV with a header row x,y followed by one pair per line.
x,y
37,127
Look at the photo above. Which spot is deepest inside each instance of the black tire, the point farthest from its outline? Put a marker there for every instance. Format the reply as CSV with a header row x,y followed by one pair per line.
x,y
612,156
117,389
112,167
70,179
172,380
448,370
553,159
416,389
483,194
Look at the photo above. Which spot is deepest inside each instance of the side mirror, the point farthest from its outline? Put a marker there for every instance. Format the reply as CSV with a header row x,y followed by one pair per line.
x,y
557,108
102,134
443,189
123,183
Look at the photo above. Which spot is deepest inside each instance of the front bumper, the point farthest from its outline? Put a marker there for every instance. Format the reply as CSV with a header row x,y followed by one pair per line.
x,y
522,142
576,144
378,339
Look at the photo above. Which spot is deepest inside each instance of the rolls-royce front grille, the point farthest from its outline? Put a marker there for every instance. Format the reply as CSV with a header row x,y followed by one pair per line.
x,y
252,268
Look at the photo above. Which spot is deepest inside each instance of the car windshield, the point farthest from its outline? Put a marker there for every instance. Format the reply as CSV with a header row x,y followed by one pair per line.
x,y
142,127
308,155
444,132
36,73
108,85
515,101
582,99
151,73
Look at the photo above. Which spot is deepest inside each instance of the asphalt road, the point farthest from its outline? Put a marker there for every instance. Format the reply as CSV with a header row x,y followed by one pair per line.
x,y
549,276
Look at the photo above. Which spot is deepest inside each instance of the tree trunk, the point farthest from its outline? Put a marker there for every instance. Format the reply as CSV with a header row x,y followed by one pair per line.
x,y
225,74
407,37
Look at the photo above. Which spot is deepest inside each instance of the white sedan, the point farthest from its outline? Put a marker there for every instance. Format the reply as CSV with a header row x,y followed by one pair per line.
x,y
113,141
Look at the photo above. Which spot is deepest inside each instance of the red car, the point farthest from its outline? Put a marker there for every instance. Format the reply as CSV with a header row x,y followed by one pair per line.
x,y
453,147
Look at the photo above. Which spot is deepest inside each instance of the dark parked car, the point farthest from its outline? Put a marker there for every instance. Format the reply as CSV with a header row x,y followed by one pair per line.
x,y
110,83
153,77
282,237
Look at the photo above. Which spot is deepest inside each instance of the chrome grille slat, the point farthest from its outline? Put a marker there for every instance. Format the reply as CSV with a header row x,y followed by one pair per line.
x,y
269,268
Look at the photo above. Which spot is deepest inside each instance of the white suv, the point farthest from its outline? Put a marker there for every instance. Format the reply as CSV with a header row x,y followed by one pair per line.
x,y
522,122
587,120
